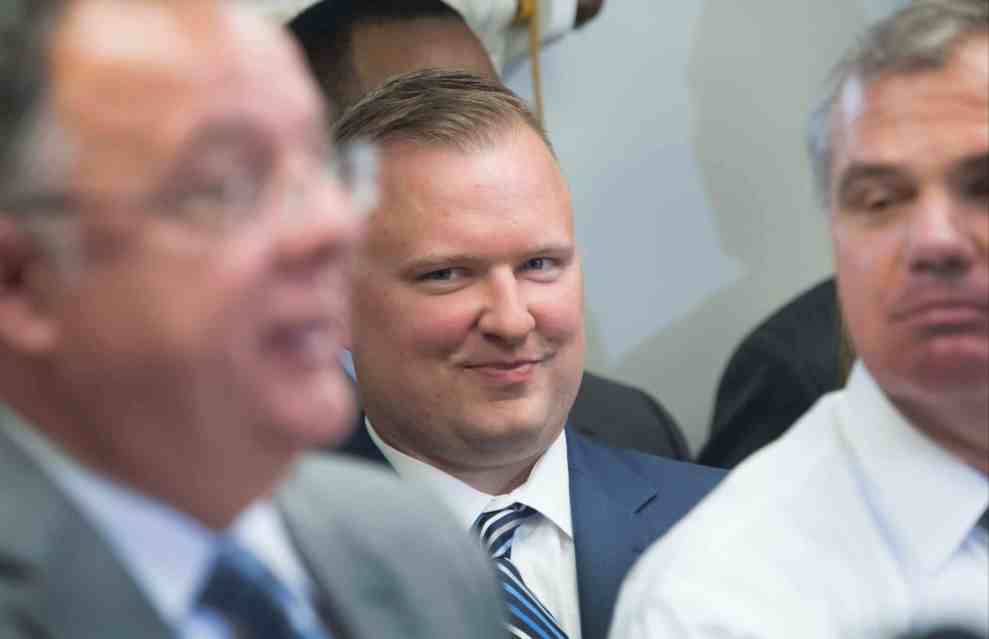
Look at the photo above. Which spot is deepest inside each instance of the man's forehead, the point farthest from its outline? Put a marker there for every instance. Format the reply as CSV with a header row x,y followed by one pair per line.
x,y
164,38
888,106
439,192
130,79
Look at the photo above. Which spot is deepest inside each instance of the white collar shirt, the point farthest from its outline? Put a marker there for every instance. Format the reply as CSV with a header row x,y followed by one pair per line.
x,y
854,525
543,549
166,552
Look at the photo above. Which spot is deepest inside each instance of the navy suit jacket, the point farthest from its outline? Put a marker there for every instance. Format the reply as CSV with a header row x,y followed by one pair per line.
x,y
620,501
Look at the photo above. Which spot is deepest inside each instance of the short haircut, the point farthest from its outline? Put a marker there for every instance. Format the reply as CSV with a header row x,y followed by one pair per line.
x,y
920,37
325,32
437,107
24,28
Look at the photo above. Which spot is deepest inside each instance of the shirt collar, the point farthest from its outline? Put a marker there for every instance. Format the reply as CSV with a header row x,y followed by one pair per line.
x,y
547,489
928,498
138,527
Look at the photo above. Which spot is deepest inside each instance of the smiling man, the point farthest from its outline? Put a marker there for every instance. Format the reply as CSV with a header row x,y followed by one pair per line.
x,y
168,352
868,518
468,344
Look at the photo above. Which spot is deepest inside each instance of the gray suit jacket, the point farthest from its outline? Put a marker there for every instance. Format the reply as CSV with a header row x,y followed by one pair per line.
x,y
386,561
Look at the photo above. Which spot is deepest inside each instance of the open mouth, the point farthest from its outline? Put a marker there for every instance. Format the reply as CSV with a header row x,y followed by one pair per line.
x,y
309,344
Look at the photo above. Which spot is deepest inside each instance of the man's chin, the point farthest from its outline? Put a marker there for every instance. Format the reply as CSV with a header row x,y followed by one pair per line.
x,y
955,370
323,417
522,433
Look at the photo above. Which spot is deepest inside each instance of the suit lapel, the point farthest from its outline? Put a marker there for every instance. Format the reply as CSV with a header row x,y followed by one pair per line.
x,y
356,594
605,499
58,577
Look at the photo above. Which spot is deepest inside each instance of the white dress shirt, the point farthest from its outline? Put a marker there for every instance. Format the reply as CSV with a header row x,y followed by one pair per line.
x,y
853,524
166,552
543,549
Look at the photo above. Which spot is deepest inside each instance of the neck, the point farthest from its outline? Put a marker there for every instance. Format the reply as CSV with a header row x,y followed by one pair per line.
x,y
492,481
492,478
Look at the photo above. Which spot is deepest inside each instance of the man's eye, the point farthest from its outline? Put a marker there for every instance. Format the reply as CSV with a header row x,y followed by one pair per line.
x,y
537,264
542,269
203,197
220,202
876,200
439,275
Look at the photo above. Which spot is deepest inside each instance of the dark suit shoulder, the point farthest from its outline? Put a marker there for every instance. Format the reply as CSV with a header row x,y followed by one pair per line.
x,y
803,334
777,372
651,465
680,484
626,417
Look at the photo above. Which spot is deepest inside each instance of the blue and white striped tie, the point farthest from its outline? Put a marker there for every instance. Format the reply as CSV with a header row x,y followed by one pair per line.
x,y
527,617
259,606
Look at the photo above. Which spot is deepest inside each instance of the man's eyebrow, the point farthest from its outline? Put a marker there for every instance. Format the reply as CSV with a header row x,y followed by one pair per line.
x,y
438,260
242,132
978,164
238,134
441,260
551,248
866,170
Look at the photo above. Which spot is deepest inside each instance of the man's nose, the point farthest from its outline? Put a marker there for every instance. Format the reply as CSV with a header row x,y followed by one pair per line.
x,y
940,241
506,316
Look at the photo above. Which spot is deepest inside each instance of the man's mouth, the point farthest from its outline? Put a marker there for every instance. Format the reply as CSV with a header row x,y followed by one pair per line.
x,y
506,371
945,315
308,343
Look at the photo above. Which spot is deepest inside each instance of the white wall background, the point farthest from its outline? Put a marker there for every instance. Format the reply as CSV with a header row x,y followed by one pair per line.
x,y
680,127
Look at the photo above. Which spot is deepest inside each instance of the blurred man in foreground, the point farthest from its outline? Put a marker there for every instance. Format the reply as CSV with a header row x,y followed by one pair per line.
x,y
468,342
167,349
864,519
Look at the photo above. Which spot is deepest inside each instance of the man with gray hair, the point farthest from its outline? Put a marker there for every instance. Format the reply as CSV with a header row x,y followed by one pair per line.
x,y
168,352
468,342
867,519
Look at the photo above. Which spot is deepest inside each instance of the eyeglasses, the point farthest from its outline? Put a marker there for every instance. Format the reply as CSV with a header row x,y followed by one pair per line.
x,y
222,201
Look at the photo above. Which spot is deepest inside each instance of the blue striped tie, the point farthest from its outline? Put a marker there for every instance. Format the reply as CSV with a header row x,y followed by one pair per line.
x,y
259,606
527,617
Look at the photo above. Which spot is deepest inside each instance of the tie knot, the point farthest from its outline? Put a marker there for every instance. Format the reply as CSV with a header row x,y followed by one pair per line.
x,y
245,592
496,528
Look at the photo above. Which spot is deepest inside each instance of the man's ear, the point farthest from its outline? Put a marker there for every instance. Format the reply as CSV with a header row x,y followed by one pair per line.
x,y
26,322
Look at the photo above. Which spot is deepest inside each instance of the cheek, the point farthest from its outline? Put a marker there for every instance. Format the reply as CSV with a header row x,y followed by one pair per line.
x,y
867,265
559,312
440,324
853,266
402,321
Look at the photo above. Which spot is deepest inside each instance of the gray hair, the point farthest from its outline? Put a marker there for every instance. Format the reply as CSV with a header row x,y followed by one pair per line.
x,y
436,107
920,37
24,25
